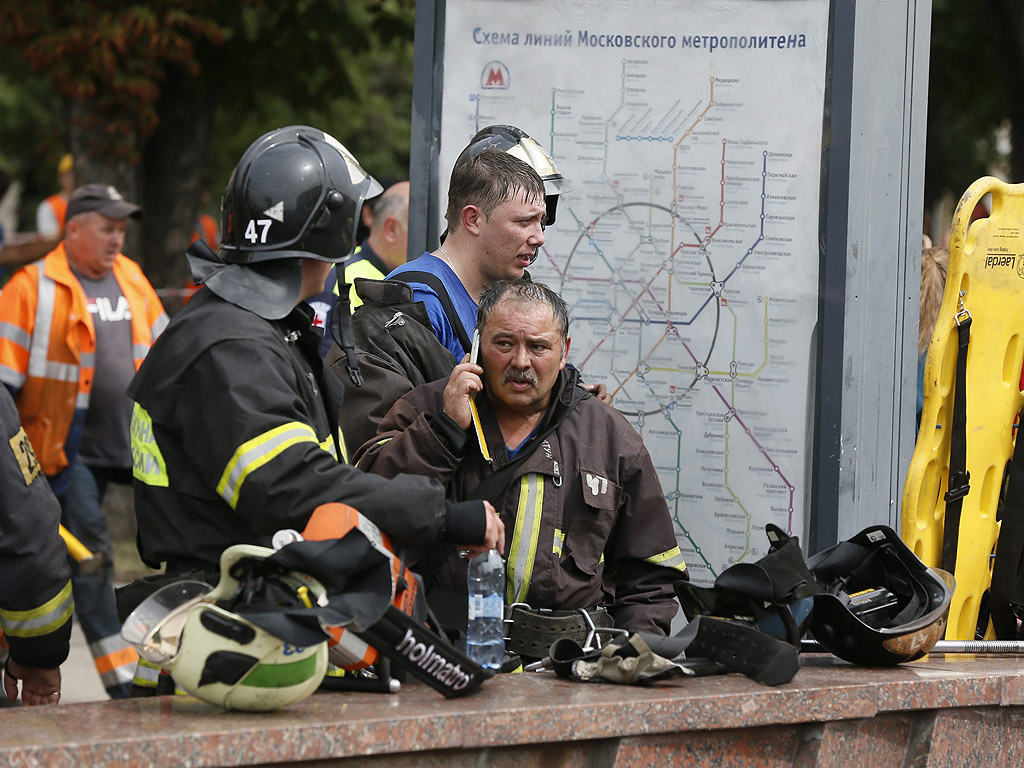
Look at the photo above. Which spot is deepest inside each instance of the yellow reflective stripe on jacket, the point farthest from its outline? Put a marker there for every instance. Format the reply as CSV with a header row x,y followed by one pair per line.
x,y
253,454
361,268
671,558
328,445
558,543
147,674
523,553
148,465
47,618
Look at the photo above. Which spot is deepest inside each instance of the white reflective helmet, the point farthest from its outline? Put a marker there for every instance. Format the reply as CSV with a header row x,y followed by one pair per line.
x,y
217,655
522,146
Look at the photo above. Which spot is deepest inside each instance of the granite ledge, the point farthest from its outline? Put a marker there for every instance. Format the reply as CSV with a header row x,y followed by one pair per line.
x,y
511,710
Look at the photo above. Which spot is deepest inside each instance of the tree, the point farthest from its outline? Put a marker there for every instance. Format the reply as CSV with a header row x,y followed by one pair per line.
x,y
162,97
976,81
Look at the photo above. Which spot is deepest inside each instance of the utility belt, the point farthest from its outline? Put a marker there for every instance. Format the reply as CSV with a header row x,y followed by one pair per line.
x,y
529,632
532,631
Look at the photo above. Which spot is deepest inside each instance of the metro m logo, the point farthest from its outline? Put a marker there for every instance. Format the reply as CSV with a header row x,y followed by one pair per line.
x,y
495,76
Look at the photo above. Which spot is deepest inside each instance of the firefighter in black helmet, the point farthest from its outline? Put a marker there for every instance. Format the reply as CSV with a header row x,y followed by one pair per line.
x,y
235,425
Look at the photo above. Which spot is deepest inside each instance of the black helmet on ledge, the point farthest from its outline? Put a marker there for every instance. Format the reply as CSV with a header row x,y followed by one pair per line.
x,y
881,605
295,194
520,145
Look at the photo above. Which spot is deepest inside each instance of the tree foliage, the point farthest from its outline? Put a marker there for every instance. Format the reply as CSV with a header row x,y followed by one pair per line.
x,y
162,96
111,56
976,82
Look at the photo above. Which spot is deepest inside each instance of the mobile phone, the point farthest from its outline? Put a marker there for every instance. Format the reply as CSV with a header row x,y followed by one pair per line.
x,y
475,352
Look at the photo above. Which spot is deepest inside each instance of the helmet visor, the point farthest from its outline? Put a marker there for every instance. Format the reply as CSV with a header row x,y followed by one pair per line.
x,y
154,627
531,153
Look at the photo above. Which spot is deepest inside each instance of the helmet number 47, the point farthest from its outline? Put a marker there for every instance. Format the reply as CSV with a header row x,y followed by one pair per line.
x,y
250,230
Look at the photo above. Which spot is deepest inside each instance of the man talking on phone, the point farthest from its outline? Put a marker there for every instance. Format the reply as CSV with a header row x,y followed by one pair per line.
x,y
567,474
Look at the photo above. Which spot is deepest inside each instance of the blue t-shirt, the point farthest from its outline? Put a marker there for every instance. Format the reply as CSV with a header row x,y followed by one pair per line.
x,y
464,304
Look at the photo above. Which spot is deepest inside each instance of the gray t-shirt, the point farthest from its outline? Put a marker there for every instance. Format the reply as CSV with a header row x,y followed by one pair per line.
x,y
106,440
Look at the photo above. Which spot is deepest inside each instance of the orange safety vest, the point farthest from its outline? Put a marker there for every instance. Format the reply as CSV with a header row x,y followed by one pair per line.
x,y
59,203
206,229
48,346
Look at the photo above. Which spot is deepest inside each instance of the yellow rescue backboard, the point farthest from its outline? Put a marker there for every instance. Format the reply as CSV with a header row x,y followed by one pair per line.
x,y
986,265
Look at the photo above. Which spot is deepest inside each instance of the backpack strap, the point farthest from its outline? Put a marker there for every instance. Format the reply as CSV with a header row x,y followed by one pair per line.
x,y
434,282
341,328
958,484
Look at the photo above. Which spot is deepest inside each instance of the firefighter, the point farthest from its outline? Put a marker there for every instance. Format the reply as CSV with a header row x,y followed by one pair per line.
x,y
235,426
35,577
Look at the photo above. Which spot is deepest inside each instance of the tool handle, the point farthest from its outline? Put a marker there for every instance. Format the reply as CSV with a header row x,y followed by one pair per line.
x,y
76,549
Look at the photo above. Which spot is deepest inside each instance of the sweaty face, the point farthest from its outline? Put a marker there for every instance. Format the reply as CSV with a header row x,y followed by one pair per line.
x,y
510,237
521,353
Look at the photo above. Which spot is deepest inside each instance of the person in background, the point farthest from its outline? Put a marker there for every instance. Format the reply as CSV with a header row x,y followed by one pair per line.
x,y
934,263
383,249
17,248
35,588
51,212
206,225
502,201
74,328
496,216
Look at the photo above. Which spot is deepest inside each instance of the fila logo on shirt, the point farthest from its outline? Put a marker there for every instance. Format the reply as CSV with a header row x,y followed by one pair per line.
x,y
102,309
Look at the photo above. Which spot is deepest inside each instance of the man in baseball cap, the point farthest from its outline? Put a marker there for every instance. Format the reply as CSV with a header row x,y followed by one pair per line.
x,y
103,199
89,313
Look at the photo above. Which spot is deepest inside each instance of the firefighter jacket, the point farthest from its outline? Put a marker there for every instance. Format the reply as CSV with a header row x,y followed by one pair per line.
x,y
586,521
235,436
35,585
48,346
397,350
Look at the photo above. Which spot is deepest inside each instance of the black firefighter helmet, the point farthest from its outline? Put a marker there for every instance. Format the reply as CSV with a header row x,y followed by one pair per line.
x,y
881,605
295,194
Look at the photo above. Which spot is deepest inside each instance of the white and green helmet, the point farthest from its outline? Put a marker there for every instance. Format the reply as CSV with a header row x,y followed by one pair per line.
x,y
217,655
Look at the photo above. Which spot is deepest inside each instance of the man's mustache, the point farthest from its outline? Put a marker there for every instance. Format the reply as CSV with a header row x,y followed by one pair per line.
x,y
514,374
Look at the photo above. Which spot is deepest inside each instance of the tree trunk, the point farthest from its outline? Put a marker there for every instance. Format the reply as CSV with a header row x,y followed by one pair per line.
x,y
175,160
95,163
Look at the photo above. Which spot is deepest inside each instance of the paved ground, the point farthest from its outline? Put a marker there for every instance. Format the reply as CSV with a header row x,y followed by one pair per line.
x,y
79,679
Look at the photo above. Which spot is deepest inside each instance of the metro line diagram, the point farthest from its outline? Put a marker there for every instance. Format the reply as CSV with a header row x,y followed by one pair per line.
x,y
688,246
664,282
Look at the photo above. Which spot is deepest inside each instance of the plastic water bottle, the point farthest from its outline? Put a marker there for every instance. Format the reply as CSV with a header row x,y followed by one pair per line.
x,y
485,631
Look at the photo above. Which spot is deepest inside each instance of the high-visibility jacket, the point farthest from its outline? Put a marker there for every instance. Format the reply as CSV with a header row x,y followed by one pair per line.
x,y
365,267
59,203
206,228
35,586
257,448
48,346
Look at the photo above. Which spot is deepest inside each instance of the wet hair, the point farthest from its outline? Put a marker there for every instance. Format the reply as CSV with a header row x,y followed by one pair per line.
x,y
526,292
934,263
487,180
